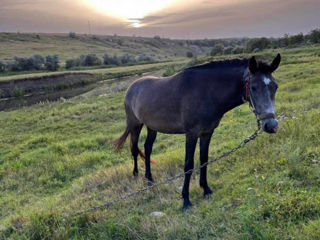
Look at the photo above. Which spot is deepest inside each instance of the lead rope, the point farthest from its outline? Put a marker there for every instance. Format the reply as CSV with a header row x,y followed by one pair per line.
x,y
170,179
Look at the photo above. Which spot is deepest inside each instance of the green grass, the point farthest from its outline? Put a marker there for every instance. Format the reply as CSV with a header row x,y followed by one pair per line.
x,y
115,71
27,44
57,158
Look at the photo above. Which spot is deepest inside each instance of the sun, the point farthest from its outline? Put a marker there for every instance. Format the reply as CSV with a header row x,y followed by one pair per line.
x,y
129,10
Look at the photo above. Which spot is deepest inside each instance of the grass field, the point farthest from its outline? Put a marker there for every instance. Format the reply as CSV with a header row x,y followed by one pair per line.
x,y
27,44
101,71
57,158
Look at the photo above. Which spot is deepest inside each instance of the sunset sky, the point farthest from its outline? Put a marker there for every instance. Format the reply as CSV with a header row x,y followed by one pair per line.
x,y
168,18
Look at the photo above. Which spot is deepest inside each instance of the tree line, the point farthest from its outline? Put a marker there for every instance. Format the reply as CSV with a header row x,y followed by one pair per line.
x,y
259,44
52,62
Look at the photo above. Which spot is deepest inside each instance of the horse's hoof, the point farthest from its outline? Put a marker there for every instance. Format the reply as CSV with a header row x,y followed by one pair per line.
x,y
135,173
207,193
186,205
150,181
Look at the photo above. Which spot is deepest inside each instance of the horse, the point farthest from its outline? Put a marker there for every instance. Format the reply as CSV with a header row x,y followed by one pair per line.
x,y
192,102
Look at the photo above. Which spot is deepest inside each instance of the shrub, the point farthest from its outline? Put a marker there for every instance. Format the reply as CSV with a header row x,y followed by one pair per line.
x,y
238,50
217,50
169,72
89,60
228,50
3,67
37,61
21,64
127,58
258,43
296,39
189,54
314,36
72,35
70,63
145,58
108,60
52,62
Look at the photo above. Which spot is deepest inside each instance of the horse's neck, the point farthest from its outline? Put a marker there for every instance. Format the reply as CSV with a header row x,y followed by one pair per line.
x,y
235,89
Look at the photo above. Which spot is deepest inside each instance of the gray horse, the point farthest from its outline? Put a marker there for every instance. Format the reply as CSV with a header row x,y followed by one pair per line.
x,y
192,102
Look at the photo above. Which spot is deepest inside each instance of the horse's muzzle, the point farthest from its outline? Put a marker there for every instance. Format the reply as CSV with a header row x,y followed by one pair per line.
x,y
270,125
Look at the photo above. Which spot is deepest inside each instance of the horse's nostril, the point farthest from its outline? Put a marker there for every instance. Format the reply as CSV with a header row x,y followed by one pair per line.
x,y
270,125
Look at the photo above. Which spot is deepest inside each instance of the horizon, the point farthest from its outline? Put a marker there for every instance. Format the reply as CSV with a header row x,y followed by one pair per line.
x,y
174,19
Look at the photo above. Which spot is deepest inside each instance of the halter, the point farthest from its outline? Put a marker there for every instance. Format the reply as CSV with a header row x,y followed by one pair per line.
x,y
248,97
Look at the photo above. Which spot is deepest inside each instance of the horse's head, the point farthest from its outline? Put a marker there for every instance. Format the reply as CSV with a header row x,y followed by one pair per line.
x,y
262,89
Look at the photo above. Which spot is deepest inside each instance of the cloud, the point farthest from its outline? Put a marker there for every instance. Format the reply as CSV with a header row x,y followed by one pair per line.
x,y
183,19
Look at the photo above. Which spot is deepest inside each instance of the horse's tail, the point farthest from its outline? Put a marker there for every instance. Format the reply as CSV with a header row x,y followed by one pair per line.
x,y
120,142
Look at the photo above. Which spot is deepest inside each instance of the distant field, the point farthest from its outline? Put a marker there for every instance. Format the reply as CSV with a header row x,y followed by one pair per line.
x,y
20,44
125,69
57,158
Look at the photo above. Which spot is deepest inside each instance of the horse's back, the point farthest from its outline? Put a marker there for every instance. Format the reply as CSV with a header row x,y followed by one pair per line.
x,y
155,102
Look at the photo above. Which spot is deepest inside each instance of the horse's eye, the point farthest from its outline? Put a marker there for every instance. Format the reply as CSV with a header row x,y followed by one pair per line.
x,y
254,89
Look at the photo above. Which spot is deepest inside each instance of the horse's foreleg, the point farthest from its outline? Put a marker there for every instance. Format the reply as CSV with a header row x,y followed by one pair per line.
x,y
151,137
204,150
191,142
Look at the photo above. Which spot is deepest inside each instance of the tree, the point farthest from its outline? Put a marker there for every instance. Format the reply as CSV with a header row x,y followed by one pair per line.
x,y
52,62
228,50
258,43
72,35
238,50
296,39
217,50
314,36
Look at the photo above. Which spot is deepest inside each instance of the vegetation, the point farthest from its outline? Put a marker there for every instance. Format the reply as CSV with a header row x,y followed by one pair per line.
x,y
57,158
52,62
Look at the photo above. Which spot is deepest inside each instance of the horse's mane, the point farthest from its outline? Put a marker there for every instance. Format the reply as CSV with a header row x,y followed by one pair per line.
x,y
231,63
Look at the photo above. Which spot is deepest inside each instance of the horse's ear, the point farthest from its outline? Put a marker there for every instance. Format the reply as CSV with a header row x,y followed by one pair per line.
x,y
253,65
275,63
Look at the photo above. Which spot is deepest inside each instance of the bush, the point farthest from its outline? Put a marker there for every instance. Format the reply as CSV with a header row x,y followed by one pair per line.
x,y
228,50
127,58
3,67
52,62
89,60
189,54
258,43
108,60
21,64
145,58
37,62
70,63
217,50
72,35
314,36
169,72
296,39
238,50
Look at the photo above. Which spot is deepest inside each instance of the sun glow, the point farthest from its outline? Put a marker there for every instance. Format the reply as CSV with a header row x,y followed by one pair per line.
x,y
129,10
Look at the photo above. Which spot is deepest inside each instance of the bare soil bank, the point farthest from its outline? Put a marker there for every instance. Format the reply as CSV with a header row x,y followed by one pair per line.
x,y
23,86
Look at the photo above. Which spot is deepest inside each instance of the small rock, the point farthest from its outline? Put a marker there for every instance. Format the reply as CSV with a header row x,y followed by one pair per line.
x,y
2,228
157,214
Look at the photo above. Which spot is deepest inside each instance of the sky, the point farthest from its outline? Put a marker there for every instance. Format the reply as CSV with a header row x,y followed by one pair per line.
x,y
182,19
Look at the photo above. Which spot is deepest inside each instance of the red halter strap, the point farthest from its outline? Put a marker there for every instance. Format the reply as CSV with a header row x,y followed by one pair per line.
x,y
246,97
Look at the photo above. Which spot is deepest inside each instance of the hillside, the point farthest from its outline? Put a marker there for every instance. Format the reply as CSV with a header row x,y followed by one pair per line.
x,y
27,44
57,158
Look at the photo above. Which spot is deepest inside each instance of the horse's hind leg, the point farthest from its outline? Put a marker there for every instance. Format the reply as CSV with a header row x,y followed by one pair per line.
x,y
135,133
151,137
